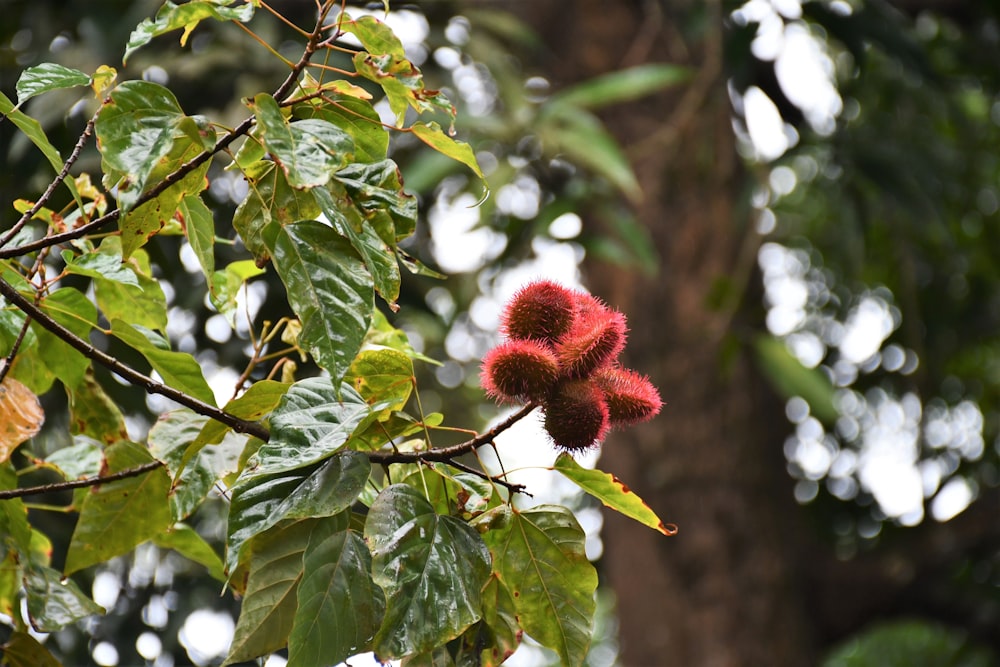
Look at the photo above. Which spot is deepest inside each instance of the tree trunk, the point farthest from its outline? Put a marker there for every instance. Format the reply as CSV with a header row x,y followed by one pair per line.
x,y
724,590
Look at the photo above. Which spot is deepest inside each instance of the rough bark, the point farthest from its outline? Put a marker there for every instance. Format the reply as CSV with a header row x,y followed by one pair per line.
x,y
725,590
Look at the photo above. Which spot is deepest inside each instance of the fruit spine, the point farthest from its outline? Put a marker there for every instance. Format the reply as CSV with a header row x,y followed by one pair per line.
x,y
562,352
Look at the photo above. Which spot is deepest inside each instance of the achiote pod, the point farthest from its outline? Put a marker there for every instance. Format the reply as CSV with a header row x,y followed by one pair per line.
x,y
519,370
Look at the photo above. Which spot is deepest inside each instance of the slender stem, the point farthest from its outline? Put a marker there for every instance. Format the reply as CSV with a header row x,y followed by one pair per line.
x,y
149,384
63,173
446,454
9,360
510,486
7,494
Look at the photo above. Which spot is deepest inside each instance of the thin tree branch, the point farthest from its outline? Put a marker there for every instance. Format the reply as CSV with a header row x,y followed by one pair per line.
x,y
446,454
149,384
177,174
496,479
7,494
9,360
63,173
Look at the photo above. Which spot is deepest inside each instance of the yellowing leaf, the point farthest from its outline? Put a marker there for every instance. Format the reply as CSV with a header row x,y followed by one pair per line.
x,y
612,492
21,416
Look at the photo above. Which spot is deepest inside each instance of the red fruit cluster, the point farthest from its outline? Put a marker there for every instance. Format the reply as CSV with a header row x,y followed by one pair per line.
x,y
561,351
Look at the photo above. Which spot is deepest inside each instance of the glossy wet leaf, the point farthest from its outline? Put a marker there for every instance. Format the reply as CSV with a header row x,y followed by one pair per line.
x,y
375,36
48,76
54,601
259,400
15,533
144,221
357,118
118,516
377,255
134,131
186,15
403,84
179,370
225,287
309,150
269,604
270,198
377,190
187,542
539,556
339,606
612,492
168,439
492,640
328,287
21,416
432,135
431,567
382,375
319,490
100,265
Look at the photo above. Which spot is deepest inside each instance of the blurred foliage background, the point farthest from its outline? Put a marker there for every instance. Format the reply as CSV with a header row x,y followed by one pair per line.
x,y
795,204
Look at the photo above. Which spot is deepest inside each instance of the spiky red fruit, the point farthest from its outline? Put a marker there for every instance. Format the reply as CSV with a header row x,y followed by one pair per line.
x,y
576,415
631,398
541,310
596,339
519,370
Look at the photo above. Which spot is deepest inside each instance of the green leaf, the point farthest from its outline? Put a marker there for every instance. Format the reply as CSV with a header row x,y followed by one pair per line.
x,y
100,265
199,226
145,305
378,257
382,375
15,533
179,370
168,439
376,190
270,198
790,378
375,36
70,308
134,131
403,84
23,650
45,77
93,413
186,541
539,556
142,222
81,459
226,286
355,117
309,151
255,403
432,135
119,515
54,601
268,608
460,494
622,86
322,489
33,130
311,422
611,491
172,17
328,287
425,563
492,640
339,607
